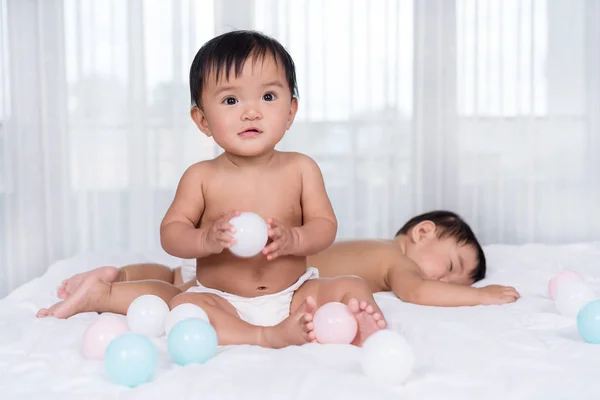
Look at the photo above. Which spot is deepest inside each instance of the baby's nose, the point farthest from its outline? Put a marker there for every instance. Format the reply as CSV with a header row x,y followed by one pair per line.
x,y
251,113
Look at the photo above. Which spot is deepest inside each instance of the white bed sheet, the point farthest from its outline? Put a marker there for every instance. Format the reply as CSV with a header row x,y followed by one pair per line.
x,y
518,351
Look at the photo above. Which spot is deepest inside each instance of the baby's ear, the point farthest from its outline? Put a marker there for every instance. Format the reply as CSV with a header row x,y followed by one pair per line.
x,y
292,114
423,230
200,120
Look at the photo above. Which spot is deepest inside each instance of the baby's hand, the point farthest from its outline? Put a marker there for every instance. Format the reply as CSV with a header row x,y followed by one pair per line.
x,y
218,237
284,240
498,294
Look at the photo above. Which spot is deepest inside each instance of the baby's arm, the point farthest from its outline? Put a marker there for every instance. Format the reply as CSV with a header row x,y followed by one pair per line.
x,y
319,222
408,283
178,233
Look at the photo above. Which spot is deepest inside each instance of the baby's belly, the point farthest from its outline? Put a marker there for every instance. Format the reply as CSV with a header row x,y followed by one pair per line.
x,y
250,277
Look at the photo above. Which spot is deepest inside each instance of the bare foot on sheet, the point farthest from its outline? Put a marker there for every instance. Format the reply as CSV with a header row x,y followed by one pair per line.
x,y
69,286
297,329
369,320
89,296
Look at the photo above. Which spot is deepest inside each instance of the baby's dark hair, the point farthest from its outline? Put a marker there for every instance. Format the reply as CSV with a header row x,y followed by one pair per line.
x,y
230,51
449,224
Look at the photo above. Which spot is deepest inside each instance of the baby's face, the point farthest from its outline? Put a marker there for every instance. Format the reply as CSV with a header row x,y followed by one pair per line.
x,y
249,114
445,260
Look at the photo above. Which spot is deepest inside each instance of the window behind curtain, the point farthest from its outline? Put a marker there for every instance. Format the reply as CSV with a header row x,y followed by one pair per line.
x,y
4,111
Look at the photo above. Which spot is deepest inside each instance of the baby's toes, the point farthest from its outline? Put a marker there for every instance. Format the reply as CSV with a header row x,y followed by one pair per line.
x,y
42,312
377,316
381,324
354,306
309,327
363,305
307,317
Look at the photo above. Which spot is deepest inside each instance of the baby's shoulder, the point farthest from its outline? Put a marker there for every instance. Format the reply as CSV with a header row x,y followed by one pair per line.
x,y
202,167
298,161
199,172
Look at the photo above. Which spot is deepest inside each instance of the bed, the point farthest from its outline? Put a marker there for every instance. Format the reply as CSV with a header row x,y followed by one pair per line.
x,y
524,350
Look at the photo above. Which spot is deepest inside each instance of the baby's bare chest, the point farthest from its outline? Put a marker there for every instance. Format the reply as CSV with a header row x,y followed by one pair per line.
x,y
271,195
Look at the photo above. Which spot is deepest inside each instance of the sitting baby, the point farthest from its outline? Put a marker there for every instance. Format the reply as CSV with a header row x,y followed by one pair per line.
x,y
243,89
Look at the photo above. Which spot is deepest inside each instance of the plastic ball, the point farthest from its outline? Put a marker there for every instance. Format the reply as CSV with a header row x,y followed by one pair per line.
x,y
131,359
588,322
251,234
559,279
334,323
192,340
571,296
184,311
100,333
387,357
147,314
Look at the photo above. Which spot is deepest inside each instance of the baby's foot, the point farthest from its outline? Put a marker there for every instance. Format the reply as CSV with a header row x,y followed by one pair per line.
x,y
297,329
91,294
69,286
369,320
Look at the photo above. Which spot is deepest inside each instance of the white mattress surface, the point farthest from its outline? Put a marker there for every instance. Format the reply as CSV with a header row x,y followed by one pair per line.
x,y
524,350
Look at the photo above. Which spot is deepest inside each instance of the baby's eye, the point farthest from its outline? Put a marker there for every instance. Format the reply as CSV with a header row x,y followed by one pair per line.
x,y
230,101
269,97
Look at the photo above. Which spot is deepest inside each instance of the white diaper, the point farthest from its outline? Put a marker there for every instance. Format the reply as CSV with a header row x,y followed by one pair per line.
x,y
188,269
267,310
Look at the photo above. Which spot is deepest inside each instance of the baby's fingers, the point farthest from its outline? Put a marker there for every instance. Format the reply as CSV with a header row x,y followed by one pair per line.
x,y
224,226
275,233
225,239
270,249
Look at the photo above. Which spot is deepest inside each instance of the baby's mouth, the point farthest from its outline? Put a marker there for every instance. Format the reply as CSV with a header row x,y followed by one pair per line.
x,y
249,133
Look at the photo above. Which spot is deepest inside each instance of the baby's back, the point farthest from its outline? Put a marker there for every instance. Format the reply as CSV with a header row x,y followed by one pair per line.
x,y
369,259
273,191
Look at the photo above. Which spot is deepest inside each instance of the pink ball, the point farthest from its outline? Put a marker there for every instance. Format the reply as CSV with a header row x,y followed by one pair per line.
x,y
561,278
335,324
99,334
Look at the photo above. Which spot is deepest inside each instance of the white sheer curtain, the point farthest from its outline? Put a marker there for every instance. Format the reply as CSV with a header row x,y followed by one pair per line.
x,y
488,108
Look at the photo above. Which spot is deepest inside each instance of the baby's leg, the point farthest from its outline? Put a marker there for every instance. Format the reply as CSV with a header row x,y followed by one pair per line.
x,y
297,329
352,291
95,294
133,272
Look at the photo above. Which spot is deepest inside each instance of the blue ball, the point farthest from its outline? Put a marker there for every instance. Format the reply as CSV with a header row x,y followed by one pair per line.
x,y
192,340
588,322
131,359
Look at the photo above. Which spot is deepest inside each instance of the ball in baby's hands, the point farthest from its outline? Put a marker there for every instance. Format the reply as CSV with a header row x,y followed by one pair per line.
x,y
387,357
251,234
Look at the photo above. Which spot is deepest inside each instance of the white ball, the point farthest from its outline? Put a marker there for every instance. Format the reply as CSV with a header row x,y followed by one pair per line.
x,y
146,315
184,311
571,296
251,234
387,357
